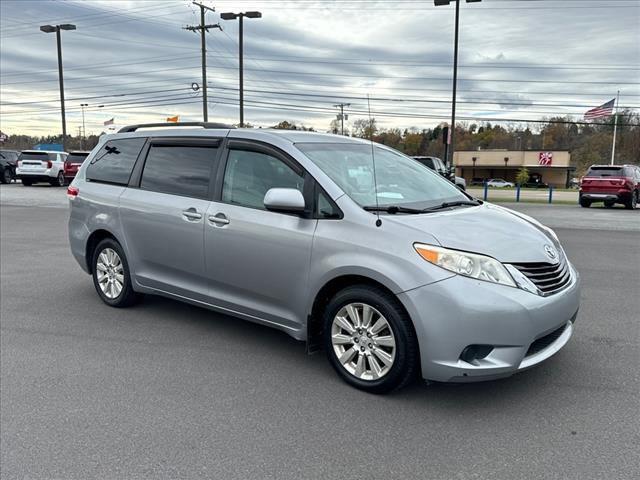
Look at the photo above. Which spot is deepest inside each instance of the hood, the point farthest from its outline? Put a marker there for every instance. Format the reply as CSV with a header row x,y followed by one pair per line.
x,y
486,229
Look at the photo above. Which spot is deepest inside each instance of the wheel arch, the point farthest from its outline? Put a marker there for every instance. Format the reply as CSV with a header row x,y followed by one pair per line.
x,y
92,242
325,293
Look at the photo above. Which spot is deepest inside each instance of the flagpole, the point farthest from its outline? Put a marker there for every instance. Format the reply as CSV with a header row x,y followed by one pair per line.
x,y
615,128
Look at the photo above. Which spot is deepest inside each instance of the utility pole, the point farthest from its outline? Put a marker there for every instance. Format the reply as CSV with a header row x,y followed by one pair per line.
x,y
203,29
80,135
341,116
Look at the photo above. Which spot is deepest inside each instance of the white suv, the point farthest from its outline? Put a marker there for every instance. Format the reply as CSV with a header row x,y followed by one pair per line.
x,y
41,166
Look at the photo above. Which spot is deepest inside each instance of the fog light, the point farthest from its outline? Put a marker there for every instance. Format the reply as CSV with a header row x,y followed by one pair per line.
x,y
475,352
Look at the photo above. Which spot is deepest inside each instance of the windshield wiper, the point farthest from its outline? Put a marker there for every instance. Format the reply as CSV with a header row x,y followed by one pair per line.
x,y
392,209
471,203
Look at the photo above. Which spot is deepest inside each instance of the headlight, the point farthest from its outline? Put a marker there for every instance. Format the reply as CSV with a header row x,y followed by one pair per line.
x,y
465,263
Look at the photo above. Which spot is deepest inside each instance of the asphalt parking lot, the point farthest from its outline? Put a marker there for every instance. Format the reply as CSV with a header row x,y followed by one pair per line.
x,y
167,390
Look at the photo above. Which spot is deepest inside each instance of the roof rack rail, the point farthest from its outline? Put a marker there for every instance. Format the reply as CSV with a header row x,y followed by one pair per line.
x,y
133,128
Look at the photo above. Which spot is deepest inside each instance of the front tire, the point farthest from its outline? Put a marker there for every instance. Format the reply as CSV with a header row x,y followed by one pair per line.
x,y
370,340
26,183
111,277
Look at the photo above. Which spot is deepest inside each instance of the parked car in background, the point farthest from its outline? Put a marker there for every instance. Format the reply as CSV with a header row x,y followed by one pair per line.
x,y
499,183
348,245
535,181
434,163
611,184
73,163
477,182
41,166
574,183
8,164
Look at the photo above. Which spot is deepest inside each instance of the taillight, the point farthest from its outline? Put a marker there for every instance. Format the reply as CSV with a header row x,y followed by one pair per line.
x,y
67,166
72,192
49,164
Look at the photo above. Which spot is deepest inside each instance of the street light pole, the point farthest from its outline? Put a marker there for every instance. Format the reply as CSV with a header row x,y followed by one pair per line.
x,y
57,29
240,16
452,127
84,132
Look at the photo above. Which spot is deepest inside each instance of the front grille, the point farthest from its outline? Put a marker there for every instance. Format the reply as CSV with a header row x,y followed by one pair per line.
x,y
550,278
543,342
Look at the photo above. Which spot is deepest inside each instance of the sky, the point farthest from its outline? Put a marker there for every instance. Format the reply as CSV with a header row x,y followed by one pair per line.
x,y
133,61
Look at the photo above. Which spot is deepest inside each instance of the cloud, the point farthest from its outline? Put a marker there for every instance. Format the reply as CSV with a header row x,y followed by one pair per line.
x,y
301,58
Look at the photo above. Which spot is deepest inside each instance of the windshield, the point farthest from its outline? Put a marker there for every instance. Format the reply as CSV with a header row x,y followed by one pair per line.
x,y
401,181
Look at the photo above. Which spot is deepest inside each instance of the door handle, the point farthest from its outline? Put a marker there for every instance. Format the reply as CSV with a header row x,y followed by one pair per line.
x,y
191,214
219,219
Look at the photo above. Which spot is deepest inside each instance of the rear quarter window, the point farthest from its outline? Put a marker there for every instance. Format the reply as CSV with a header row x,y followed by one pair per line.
x,y
114,162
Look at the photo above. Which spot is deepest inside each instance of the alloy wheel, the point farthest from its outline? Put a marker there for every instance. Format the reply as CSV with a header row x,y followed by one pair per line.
x,y
110,273
363,341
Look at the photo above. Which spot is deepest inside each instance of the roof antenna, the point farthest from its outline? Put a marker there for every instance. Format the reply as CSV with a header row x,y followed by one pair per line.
x,y
373,159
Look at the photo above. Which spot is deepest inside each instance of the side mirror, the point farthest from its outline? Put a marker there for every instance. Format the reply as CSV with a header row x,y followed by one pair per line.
x,y
284,200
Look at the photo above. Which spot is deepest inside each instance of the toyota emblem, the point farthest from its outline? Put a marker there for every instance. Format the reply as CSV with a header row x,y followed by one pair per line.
x,y
551,252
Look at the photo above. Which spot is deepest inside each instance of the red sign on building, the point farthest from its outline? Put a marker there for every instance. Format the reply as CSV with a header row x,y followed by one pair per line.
x,y
545,159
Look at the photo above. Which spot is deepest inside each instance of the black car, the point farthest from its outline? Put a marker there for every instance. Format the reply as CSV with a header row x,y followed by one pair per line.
x,y
8,161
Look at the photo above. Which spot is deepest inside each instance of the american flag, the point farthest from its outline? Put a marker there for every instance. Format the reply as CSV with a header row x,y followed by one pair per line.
x,y
605,110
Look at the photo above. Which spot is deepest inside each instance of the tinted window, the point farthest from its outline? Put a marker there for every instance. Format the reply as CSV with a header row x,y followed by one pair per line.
x,y
114,161
605,172
427,162
249,175
77,157
34,156
179,170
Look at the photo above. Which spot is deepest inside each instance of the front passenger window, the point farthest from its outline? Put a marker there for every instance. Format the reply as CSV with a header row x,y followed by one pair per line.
x,y
249,176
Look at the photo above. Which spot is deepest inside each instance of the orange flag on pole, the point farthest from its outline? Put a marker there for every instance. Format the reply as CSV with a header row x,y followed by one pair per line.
x,y
173,119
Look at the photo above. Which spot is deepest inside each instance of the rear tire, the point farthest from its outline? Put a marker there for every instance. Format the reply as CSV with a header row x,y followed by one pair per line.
x,y
608,204
6,176
111,277
26,183
380,354
584,203
632,204
58,181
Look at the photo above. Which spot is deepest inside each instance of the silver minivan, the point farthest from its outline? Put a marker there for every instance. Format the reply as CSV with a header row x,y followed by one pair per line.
x,y
347,245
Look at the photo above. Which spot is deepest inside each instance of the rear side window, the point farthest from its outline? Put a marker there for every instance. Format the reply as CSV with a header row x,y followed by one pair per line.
x,y
179,170
114,161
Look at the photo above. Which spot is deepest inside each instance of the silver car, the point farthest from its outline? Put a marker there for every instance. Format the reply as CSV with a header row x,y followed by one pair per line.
x,y
347,245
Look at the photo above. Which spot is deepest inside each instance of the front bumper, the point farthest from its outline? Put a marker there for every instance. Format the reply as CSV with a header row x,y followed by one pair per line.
x,y
524,329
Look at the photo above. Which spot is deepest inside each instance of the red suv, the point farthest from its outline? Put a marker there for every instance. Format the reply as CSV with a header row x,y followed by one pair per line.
x,y
611,184
72,164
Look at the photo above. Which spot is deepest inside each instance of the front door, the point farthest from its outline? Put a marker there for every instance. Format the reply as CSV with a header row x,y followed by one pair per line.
x,y
164,216
257,260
